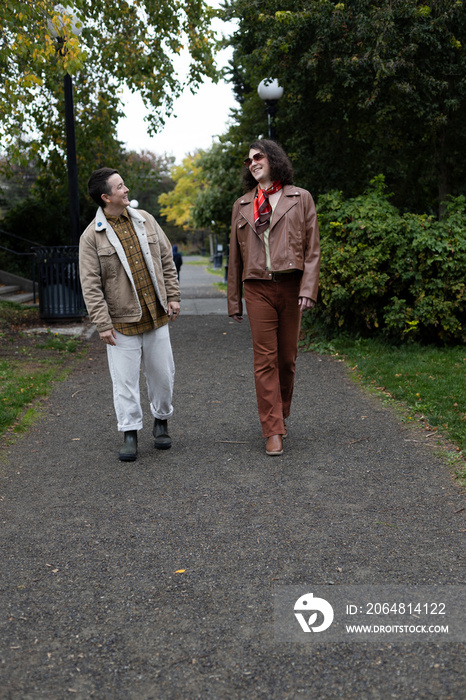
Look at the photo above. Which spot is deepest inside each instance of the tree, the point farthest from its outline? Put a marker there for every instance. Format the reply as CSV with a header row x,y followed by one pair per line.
x,y
177,206
149,177
205,185
370,87
220,168
123,42
17,185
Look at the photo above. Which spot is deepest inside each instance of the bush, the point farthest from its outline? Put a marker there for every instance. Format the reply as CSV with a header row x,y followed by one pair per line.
x,y
392,274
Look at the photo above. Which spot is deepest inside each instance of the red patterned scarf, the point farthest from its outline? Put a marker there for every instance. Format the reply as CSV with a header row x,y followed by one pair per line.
x,y
262,208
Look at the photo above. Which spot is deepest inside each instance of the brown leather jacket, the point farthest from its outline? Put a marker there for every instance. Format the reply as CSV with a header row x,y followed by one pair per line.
x,y
106,280
293,241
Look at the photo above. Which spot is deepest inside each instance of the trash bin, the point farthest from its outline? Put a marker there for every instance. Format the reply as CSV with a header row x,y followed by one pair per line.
x,y
217,261
60,294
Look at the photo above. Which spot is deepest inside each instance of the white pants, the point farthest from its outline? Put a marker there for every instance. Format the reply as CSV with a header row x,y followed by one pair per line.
x,y
153,348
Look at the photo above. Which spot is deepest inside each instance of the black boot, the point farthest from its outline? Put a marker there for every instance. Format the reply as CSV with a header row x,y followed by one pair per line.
x,y
162,440
129,451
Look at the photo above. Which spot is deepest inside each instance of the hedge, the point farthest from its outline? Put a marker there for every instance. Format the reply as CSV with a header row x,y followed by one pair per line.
x,y
392,274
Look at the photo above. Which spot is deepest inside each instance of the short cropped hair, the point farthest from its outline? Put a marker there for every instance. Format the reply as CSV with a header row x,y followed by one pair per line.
x,y
98,184
280,165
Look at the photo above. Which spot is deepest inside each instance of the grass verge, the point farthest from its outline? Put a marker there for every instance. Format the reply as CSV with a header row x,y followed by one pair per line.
x,y
427,382
219,273
29,365
202,261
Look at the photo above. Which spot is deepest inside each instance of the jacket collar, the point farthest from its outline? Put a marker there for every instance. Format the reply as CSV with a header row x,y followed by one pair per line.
x,y
135,215
288,200
101,222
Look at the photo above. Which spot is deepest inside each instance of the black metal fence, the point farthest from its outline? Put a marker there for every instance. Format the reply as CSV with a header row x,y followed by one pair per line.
x,y
55,275
60,294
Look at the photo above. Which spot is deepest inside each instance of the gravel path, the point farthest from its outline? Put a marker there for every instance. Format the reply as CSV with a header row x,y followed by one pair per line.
x,y
155,579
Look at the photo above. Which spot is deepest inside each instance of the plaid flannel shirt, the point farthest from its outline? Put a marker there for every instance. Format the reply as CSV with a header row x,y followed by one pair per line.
x,y
153,315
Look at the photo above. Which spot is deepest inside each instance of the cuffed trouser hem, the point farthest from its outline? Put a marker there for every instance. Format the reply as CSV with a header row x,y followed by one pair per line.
x,y
159,416
126,428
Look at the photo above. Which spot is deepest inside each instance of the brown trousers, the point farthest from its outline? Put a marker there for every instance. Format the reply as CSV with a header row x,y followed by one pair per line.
x,y
275,320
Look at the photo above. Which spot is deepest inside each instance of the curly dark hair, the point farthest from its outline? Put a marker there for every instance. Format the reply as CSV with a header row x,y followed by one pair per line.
x,y
280,165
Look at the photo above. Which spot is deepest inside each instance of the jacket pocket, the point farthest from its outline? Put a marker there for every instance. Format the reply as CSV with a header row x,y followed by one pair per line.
x,y
242,230
109,261
153,240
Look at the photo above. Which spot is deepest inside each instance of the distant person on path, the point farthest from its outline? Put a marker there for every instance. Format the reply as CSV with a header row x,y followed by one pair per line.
x,y
131,290
178,259
275,251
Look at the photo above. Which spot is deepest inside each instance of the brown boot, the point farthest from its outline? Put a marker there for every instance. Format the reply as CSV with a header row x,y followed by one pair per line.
x,y
274,446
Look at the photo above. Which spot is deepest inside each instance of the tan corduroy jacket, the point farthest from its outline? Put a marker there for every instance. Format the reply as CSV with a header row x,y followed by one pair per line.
x,y
293,241
106,279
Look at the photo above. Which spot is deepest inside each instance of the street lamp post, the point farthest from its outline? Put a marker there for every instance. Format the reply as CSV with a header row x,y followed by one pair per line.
x,y
270,91
73,190
60,293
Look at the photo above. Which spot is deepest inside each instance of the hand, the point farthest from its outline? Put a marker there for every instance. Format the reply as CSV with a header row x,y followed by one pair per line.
x,y
305,303
237,317
173,310
108,337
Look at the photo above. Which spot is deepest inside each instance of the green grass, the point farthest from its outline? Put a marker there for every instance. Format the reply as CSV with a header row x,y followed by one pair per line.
x,y
18,389
13,314
428,382
219,273
61,343
29,365
204,261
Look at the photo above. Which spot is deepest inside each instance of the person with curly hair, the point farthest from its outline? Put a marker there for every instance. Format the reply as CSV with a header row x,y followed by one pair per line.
x,y
275,256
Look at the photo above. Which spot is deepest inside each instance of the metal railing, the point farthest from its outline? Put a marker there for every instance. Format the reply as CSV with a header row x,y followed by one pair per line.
x,y
55,269
60,294
30,254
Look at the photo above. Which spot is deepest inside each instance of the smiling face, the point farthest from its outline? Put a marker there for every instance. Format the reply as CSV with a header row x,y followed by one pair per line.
x,y
117,201
260,170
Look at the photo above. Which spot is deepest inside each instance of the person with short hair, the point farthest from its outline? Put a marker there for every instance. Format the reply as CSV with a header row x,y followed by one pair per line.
x,y
275,254
130,287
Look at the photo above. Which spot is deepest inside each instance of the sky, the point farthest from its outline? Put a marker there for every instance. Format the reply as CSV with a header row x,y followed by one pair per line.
x,y
199,119
196,121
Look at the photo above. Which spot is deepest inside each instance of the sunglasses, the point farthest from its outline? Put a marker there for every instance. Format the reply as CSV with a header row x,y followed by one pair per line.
x,y
256,158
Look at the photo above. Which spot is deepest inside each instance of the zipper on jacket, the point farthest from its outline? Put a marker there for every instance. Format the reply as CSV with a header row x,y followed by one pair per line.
x,y
286,236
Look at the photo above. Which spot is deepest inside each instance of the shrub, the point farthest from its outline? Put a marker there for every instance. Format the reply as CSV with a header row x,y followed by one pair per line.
x,y
392,274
